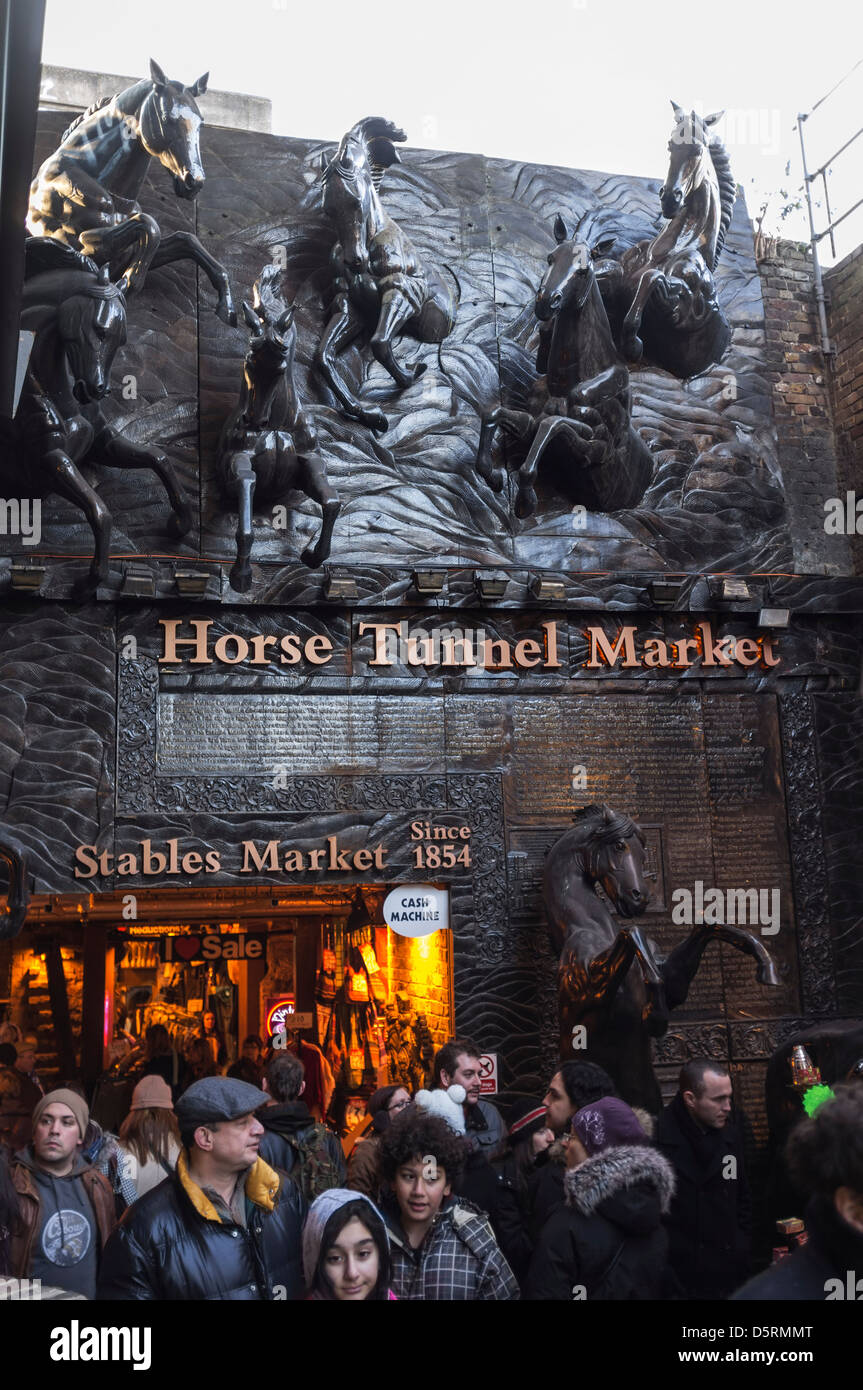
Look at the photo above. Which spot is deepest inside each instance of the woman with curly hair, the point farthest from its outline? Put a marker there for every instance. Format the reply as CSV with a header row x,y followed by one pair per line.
x,y
442,1247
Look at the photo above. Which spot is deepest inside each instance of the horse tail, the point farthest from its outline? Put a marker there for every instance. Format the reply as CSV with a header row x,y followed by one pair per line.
x,y
727,193
91,111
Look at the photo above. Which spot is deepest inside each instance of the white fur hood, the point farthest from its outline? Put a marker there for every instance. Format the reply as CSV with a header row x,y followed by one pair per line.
x,y
616,1171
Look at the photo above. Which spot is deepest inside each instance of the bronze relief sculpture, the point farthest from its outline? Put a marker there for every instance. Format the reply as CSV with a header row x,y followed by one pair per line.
x,y
268,444
78,315
660,294
85,194
619,1007
380,283
580,405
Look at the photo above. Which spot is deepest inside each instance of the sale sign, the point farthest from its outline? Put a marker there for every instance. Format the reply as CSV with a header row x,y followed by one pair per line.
x,y
211,946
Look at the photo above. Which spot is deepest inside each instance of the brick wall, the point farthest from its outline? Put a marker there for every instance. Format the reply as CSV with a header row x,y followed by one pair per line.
x,y
420,966
844,288
802,407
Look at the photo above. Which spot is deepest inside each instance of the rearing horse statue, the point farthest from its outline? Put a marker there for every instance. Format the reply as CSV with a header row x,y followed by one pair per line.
x,y
86,193
660,295
621,1008
380,282
581,404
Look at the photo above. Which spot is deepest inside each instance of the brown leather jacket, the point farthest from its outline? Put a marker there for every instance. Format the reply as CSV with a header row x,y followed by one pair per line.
x,y
101,1198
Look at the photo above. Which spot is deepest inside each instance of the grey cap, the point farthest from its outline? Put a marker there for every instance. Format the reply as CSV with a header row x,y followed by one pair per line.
x,y
217,1098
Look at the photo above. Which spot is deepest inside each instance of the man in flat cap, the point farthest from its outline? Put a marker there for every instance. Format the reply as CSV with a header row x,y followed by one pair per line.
x,y
224,1224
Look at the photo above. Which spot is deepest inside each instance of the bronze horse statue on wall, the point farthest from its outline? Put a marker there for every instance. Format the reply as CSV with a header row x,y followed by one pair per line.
x,y
620,1008
379,281
580,407
660,294
85,194
13,915
78,315
268,442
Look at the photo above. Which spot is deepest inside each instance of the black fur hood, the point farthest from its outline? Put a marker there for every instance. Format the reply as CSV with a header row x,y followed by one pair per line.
x,y
622,1181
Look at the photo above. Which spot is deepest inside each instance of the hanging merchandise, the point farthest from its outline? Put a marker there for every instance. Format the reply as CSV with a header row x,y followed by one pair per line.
x,y
326,982
356,1057
367,951
356,979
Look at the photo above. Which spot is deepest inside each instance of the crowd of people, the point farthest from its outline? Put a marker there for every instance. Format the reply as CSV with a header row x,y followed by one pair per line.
x,y
227,1187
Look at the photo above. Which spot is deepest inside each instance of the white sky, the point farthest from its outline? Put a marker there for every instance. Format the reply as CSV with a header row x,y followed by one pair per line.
x,y
582,83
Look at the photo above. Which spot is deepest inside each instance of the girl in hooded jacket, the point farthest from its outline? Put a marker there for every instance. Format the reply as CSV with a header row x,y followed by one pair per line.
x,y
607,1241
346,1252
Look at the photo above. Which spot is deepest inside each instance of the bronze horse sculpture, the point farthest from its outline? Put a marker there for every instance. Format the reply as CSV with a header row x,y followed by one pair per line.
x,y
580,406
78,316
85,194
620,1008
268,442
379,282
660,294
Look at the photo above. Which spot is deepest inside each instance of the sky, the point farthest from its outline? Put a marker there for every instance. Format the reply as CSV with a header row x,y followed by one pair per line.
x,y
580,83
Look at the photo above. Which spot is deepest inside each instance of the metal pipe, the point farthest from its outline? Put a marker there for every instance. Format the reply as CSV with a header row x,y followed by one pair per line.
x,y
826,347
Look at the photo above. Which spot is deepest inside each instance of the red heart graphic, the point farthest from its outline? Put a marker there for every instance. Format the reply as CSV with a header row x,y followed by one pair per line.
x,y
187,947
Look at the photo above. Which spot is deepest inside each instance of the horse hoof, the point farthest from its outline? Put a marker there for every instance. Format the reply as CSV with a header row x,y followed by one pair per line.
x,y
375,419
240,578
767,975
86,586
525,502
633,347
418,368
312,557
226,312
496,479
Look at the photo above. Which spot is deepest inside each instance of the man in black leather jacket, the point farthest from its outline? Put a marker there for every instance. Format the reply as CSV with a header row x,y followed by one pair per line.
x,y
225,1225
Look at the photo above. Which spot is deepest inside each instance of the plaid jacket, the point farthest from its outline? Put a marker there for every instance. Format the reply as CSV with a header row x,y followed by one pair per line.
x,y
458,1260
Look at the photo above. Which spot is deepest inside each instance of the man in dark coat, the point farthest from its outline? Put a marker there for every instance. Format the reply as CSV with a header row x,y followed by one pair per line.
x,y
607,1240
224,1225
292,1139
825,1158
710,1221
574,1085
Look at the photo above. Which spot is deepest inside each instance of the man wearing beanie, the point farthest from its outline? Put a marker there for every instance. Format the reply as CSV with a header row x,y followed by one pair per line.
x,y
224,1224
66,1207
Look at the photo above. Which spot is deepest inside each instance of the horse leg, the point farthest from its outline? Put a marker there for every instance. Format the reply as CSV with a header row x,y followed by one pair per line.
x,y
595,982
64,479
551,425
344,326
137,239
633,347
185,246
241,480
516,422
115,451
681,965
396,310
316,485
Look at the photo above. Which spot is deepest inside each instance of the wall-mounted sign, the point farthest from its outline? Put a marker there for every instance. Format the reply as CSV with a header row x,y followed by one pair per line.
x,y
488,1074
281,1016
214,946
417,909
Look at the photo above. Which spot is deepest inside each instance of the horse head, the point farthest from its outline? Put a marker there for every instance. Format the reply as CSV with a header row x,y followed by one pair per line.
x,y
352,177
569,278
615,859
91,324
271,346
690,165
170,125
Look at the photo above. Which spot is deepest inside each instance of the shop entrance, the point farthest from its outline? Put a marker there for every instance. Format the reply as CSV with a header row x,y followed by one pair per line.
x,y
361,1005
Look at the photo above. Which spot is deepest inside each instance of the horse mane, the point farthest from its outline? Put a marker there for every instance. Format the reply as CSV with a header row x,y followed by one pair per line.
x,y
600,822
267,301
727,193
91,111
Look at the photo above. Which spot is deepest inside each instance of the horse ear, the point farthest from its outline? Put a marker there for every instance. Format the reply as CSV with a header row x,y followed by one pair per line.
x,y
711,120
251,317
157,74
561,232
284,320
603,246
678,110
200,86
